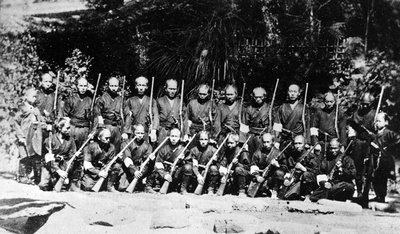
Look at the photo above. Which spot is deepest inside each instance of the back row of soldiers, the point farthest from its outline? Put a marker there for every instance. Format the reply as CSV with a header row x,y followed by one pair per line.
x,y
252,149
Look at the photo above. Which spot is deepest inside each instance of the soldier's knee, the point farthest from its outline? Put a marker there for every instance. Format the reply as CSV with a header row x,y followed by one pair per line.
x,y
214,170
279,174
240,171
308,177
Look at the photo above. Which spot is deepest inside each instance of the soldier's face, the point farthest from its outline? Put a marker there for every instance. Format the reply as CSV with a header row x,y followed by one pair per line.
x,y
47,81
82,86
334,149
105,137
380,121
203,140
267,142
174,137
113,85
230,143
139,133
203,93
299,144
66,129
141,86
258,97
293,92
172,87
31,97
329,102
230,95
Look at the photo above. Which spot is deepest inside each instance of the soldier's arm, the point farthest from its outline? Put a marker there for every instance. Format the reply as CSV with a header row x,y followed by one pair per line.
x,y
89,152
349,170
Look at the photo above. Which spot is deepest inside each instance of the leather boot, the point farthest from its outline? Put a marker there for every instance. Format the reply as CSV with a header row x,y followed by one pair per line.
x,y
75,186
110,183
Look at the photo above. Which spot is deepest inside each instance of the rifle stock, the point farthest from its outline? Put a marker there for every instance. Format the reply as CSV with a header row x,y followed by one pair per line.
x,y
93,101
99,183
181,108
379,103
272,105
132,185
222,187
211,108
255,185
165,186
151,105
303,116
199,188
60,182
241,104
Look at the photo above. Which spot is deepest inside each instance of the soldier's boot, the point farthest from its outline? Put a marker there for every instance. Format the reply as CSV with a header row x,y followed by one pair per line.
x,y
241,180
75,186
242,193
211,191
149,189
110,183
184,185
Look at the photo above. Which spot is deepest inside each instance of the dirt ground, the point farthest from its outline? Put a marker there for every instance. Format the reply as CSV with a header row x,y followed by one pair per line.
x,y
174,213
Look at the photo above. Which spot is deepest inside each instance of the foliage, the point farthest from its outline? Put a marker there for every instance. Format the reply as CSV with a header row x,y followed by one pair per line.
x,y
104,5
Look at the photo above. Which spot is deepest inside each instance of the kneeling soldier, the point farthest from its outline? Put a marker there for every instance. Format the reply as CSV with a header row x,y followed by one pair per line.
x,y
96,155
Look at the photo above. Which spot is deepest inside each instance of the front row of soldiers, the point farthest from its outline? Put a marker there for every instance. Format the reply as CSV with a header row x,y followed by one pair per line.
x,y
278,164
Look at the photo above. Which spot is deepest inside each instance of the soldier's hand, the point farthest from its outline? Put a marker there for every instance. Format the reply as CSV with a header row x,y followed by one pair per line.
x,y
49,157
339,164
168,178
153,135
46,113
200,179
22,140
49,127
62,174
91,135
275,163
138,174
124,136
120,155
246,147
223,180
103,174
300,167
152,156
235,161
342,149
277,145
101,120
260,179
181,156
212,141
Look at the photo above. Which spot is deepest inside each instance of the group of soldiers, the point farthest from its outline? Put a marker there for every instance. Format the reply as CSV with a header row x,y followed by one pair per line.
x,y
162,145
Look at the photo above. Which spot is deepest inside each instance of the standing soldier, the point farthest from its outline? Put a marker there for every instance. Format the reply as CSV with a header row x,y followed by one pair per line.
x,y
165,157
201,155
137,111
134,156
266,157
169,110
62,148
255,116
241,165
360,125
324,122
95,156
29,134
77,108
198,111
289,117
227,119
303,166
384,145
108,111
340,171
46,97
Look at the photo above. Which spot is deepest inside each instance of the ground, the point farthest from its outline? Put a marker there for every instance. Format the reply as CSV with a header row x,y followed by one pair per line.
x,y
174,213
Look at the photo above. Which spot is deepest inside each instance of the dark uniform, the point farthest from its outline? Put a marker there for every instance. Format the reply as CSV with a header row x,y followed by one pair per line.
x,y
226,120
169,116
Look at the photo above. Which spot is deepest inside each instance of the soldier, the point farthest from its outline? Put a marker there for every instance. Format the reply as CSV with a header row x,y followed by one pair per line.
x,y
169,110
340,171
255,116
227,118
77,108
262,158
96,155
289,119
323,126
360,125
199,110
62,148
193,170
137,111
46,96
165,157
134,156
241,165
303,166
29,134
108,111
385,144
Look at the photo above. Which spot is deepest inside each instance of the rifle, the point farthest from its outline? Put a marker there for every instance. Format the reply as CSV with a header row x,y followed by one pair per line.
x,y
303,116
165,186
107,168
181,107
56,95
211,108
337,115
379,103
93,101
241,104
221,188
255,185
272,105
132,185
61,180
199,188
122,104
151,105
